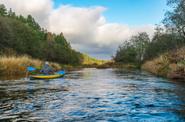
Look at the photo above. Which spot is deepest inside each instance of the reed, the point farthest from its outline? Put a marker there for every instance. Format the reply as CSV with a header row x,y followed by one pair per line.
x,y
16,65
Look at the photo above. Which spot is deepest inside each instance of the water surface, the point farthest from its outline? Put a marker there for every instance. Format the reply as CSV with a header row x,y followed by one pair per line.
x,y
107,95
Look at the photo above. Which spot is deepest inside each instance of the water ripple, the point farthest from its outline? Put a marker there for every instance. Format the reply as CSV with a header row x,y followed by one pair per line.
x,y
110,95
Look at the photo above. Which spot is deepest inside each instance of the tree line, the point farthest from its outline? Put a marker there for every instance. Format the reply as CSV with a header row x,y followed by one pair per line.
x,y
168,36
23,35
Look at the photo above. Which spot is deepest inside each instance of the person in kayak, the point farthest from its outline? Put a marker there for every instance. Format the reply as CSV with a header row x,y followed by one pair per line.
x,y
46,69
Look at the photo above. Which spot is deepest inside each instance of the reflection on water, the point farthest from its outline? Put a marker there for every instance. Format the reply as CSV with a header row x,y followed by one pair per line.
x,y
94,95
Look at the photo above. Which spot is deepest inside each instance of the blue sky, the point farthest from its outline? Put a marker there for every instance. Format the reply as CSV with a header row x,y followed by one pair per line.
x,y
130,12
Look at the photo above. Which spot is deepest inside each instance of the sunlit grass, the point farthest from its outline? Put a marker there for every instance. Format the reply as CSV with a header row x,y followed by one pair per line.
x,y
16,65
87,60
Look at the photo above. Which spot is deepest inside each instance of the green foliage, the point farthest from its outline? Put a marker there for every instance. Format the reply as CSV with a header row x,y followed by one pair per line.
x,y
176,19
174,35
3,11
25,36
126,53
133,50
165,39
32,23
163,42
11,13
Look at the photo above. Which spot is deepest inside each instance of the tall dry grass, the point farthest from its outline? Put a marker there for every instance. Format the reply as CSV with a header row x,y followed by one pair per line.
x,y
158,66
171,64
16,65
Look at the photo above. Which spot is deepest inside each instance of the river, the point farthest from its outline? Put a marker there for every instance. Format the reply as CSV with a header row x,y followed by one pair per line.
x,y
90,95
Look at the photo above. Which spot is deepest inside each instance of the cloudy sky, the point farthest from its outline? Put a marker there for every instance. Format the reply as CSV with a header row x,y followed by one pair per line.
x,y
95,27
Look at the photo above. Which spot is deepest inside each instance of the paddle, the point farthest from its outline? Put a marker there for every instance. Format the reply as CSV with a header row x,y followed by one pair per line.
x,y
29,69
61,72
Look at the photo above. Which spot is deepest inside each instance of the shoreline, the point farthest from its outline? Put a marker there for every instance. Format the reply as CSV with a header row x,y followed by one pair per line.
x,y
14,67
170,65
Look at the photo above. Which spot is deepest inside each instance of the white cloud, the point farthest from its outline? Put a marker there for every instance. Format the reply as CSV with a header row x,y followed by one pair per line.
x,y
85,28
40,9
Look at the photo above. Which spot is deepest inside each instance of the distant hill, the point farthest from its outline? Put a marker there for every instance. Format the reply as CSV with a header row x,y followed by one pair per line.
x,y
87,60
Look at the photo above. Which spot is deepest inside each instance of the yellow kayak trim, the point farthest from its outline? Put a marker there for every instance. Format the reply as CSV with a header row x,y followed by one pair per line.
x,y
47,76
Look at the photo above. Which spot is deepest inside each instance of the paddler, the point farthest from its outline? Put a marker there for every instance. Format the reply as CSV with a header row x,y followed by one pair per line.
x,y
46,69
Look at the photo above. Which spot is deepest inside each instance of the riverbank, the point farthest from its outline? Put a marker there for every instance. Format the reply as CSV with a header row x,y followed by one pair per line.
x,y
16,65
170,65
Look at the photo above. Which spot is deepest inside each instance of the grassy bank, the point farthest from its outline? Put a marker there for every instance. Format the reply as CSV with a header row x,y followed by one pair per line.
x,y
12,66
170,65
16,65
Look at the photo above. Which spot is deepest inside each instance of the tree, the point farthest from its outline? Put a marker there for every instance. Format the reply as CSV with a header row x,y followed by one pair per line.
x,y
22,19
24,36
3,11
11,13
140,43
31,21
6,34
126,53
162,42
60,39
133,50
176,19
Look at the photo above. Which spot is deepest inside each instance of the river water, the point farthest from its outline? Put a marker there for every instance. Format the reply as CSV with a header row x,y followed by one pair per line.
x,y
90,95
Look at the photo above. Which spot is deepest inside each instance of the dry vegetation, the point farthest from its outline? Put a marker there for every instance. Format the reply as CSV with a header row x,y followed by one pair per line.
x,y
171,65
16,65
